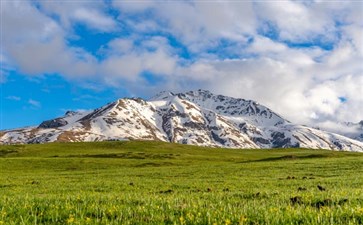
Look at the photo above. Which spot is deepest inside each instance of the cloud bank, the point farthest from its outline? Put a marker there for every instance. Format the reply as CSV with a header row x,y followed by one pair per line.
x,y
300,58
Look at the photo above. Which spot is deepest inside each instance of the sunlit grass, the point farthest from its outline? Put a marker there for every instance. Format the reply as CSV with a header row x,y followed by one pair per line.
x,y
162,183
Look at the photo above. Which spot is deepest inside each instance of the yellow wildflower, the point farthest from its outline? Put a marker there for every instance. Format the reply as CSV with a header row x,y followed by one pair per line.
x,y
181,219
70,219
242,219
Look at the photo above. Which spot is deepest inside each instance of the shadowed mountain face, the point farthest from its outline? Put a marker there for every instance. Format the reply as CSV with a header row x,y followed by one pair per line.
x,y
195,117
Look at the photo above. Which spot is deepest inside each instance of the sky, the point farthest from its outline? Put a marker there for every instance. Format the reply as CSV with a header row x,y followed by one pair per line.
x,y
302,59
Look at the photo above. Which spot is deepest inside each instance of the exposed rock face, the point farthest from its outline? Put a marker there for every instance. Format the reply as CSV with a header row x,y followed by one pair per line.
x,y
59,122
195,117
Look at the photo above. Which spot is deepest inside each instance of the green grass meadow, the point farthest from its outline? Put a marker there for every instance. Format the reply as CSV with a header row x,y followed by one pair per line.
x,y
140,182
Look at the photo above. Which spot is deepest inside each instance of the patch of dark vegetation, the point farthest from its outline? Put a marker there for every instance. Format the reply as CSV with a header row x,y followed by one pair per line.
x,y
343,201
98,216
296,200
4,152
301,189
295,178
322,203
169,191
256,195
154,164
6,185
127,155
318,204
321,188
100,190
71,169
13,146
290,157
329,202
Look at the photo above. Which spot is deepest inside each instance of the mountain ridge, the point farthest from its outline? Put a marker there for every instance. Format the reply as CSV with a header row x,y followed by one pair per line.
x,y
194,117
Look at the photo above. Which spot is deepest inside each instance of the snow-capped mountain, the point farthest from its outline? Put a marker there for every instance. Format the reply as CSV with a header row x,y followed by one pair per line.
x,y
355,130
348,129
195,117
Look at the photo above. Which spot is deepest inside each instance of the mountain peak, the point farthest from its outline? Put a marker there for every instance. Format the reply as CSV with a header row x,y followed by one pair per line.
x,y
162,95
200,92
70,113
196,117
167,94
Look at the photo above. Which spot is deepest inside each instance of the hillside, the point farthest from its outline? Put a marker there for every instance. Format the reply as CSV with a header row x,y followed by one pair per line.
x,y
196,117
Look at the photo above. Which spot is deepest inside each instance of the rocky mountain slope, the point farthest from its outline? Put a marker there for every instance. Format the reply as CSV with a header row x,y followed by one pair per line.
x,y
195,117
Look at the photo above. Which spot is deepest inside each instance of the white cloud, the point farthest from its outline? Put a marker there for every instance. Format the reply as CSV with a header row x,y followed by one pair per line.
x,y
228,53
34,103
95,19
120,46
194,23
36,26
265,80
265,45
151,56
287,86
52,57
354,33
14,98
90,13
37,45
126,67
134,6
299,22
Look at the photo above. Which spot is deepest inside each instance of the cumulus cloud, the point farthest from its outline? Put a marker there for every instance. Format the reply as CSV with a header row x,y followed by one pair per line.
x,y
90,13
126,61
37,45
299,58
194,23
94,19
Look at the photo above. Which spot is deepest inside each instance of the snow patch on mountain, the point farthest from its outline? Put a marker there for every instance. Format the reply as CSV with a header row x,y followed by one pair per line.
x,y
195,117
348,129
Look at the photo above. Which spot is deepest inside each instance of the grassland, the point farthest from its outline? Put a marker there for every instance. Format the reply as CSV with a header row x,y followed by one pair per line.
x,y
162,183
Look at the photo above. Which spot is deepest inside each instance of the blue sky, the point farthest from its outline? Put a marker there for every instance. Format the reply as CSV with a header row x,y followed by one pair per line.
x,y
300,58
